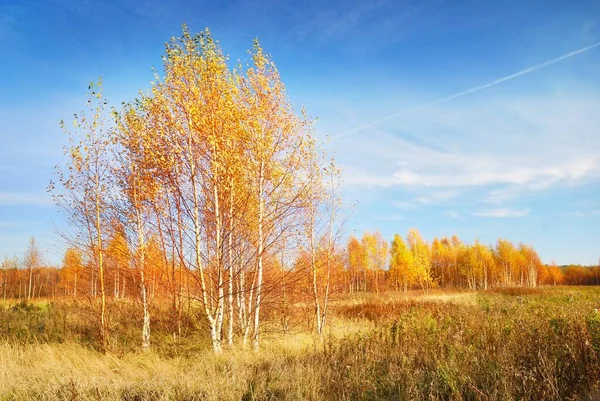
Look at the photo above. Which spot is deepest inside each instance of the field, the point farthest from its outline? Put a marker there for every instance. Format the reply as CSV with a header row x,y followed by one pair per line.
x,y
512,344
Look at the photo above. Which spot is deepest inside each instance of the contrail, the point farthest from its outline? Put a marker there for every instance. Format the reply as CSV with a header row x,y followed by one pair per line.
x,y
468,91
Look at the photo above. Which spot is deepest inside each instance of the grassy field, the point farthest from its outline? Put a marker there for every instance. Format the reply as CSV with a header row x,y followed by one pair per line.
x,y
498,345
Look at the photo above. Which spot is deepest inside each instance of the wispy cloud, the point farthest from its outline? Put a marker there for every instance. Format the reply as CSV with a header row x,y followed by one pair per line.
x,y
493,152
391,217
468,91
16,199
319,24
404,205
430,198
451,213
501,213
15,224
573,214
475,170
580,213
491,172
436,197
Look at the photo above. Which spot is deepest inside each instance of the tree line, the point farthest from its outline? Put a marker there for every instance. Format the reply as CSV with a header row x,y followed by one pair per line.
x,y
364,265
448,262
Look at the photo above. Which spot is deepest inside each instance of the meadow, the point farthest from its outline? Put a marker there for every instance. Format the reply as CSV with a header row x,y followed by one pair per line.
x,y
505,344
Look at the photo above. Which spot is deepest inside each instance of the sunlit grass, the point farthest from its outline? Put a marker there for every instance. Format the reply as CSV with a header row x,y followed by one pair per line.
x,y
497,345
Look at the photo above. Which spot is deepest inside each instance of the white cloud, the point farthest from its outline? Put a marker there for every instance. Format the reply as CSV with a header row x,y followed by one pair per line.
x,y
404,205
573,214
13,224
431,198
16,198
451,213
492,172
501,148
391,217
469,91
501,213
437,197
352,176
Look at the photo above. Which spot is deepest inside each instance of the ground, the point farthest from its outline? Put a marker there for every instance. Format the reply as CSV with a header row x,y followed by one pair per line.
x,y
513,344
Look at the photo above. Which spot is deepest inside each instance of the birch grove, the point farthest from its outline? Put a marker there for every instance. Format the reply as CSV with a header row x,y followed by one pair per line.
x,y
208,164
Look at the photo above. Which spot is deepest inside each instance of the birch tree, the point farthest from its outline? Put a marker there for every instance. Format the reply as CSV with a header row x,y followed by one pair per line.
x,y
421,259
72,266
400,263
83,190
140,191
32,260
276,149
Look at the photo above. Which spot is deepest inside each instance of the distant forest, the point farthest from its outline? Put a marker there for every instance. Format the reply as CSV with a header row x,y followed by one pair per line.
x,y
368,264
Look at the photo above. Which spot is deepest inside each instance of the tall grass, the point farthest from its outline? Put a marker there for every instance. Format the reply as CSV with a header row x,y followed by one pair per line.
x,y
542,345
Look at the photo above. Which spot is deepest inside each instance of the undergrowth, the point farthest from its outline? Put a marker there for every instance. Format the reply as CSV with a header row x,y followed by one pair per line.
x,y
537,345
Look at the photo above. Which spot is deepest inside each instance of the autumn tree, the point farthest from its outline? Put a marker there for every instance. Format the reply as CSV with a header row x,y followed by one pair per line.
x,y
485,264
400,263
439,261
507,259
72,269
83,190
313,226
117,256
321,206
556,275
276,149
376,255
332,237
136,178
9,268
531,265
421,259
356,264
32,260
224,149
188,115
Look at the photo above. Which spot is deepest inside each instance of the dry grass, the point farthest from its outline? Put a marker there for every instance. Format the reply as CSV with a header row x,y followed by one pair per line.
x,y
541,345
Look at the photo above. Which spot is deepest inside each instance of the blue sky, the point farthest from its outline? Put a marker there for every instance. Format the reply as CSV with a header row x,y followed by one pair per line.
x,y
518,160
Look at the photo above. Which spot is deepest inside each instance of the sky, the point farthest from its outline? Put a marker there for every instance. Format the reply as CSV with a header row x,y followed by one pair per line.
x,y
474,118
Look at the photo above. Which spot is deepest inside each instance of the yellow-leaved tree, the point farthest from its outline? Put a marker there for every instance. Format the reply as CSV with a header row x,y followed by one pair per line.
x,y
421,259
401,271
84,190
